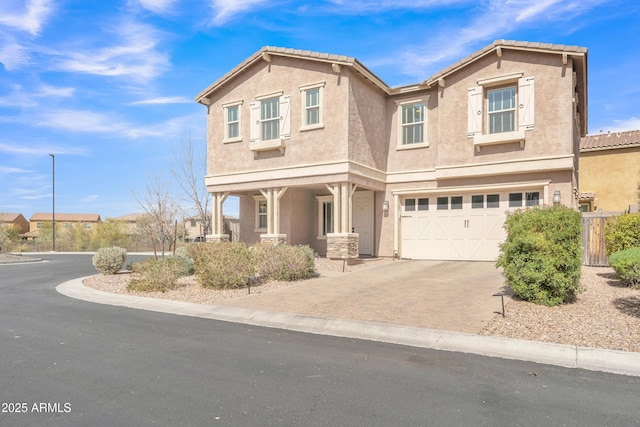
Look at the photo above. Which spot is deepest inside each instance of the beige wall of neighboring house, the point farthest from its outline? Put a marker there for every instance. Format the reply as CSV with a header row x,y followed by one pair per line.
x,y
413,171
15,220
610,171
90,221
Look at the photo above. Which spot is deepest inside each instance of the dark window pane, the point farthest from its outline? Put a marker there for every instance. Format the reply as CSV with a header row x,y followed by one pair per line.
x,y
423,204
443,203
477,202
410,205
515,200
493,200
533,198
456,202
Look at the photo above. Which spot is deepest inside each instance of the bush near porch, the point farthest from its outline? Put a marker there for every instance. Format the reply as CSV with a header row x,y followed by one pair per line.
x,y
229,265
542,255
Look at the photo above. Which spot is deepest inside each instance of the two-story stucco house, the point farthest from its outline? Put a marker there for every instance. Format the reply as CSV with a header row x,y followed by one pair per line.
x,y
322,152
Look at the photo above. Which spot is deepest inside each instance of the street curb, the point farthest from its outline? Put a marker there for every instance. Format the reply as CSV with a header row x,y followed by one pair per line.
x,y
617,362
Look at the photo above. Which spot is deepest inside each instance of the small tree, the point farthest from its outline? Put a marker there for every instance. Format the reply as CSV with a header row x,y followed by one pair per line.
x,y
109,233
161,212
189,171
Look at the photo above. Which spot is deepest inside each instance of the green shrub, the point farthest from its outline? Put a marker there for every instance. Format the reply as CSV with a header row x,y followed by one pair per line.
x,y
183,254
542,255
109,260
284,262
622,232
225,265
159,274
626,264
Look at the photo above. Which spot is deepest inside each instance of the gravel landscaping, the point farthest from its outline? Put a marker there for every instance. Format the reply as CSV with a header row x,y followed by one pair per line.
x,y
606,315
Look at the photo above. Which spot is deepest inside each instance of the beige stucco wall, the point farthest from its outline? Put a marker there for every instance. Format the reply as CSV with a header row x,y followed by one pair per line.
x,y
614,175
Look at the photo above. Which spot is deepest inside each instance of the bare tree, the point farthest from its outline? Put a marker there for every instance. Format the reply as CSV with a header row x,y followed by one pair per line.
x,y
189,171
161,212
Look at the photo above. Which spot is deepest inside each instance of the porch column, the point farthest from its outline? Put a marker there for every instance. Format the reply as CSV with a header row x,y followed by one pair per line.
x,y
273,196
343,242
217,219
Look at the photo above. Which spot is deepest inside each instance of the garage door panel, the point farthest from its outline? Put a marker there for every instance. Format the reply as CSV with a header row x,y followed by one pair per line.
x,y
471,233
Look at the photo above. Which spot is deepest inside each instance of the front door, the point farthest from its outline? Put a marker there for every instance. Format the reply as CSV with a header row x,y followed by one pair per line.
x,y
363,220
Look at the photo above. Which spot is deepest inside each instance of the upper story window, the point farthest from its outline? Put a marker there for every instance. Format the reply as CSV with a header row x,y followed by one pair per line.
x,y
502,110
412,124
270,119
232,114
270,122
312,111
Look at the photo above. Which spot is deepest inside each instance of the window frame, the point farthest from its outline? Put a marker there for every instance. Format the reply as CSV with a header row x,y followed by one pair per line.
x,y
260,200
225,107
304,108
323,228
401,105
512,111
271,120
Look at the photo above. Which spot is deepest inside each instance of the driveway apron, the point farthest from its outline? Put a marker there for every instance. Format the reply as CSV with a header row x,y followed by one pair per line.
x,y
444,295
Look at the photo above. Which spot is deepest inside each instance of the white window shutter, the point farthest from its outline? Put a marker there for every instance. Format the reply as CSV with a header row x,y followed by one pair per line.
x,y
285,117
254,119
525,103
474,113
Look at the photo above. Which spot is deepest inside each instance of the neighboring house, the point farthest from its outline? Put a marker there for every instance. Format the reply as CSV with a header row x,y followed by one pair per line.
x,y
15,220
193,228
610,172
64,220
130,222
320,151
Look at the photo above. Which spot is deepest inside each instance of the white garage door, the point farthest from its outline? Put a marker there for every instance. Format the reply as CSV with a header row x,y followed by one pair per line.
x,y
458,227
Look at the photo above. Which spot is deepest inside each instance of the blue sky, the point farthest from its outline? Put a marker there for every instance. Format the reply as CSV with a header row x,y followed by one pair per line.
x,y
108,86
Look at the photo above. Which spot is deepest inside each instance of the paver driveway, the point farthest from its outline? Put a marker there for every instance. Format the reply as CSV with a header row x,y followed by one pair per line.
x,y
445,295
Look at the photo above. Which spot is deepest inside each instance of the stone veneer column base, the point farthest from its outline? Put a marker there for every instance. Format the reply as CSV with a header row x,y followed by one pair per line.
x,y
274,239
217,238
343,245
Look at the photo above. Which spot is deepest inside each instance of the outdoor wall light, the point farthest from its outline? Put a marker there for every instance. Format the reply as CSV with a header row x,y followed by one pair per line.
x,y
556,197
385,207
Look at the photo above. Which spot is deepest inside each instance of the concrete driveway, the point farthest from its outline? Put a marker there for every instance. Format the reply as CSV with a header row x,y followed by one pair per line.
x,y
444,295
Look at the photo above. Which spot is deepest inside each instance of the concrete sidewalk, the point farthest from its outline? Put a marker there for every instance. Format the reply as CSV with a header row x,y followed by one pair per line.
x,y
437,305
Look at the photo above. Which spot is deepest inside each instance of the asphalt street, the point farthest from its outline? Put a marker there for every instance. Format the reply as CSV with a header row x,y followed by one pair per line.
x,y
65,362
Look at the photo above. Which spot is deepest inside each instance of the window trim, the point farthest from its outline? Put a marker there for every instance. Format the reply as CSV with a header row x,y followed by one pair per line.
x,y
225,107
303,106
477,102
321,202
400,145
258,200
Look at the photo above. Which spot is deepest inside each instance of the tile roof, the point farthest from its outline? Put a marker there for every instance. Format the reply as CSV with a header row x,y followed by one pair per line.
x,y
610,141
9,216
66,217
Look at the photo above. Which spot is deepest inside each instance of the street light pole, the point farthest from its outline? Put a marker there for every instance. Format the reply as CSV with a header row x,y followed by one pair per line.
x,y
53,200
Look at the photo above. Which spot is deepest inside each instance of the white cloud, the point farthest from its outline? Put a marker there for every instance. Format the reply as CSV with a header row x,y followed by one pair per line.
x,y
422,61
369,6
225,9
157,6
7,170
621,125
56,91
29,18
90,198
164,100
136,55
39,150
13,55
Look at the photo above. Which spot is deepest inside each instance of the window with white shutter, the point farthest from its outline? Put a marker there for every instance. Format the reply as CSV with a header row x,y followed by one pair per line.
x,y
500,110
270,122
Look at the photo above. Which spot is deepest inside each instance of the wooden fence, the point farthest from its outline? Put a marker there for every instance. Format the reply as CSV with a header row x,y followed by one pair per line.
x,y
593,243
